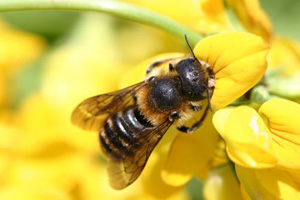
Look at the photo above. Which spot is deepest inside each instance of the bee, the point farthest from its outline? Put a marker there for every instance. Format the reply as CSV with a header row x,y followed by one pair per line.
x,y
133,120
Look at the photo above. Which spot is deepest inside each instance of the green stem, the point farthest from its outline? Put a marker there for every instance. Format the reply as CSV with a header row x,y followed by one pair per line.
x,y
115,8
240,103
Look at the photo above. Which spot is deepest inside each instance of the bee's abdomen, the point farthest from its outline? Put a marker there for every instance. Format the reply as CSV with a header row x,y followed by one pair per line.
x,y
123,132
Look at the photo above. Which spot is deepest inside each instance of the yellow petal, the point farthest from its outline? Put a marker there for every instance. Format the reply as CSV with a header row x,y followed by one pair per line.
x,y
222,184
247,138
268,183
244,193
283,117
272,178
252,17
220,119
284,54
190,154
250,184
238,61
221,157
296,176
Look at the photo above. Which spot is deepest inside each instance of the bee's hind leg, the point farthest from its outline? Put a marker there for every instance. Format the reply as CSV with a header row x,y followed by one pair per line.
x,y
196,125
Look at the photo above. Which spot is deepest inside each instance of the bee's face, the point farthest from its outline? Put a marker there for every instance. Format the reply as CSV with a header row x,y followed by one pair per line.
x,y
192,79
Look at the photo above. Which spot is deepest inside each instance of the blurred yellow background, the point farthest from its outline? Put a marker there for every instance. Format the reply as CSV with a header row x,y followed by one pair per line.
x,y
51,61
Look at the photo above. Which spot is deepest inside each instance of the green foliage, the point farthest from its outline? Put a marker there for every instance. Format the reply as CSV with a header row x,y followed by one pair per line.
x,y
285,15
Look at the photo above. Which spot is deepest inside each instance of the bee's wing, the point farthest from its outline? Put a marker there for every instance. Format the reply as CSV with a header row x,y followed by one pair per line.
x,y
90,114
124,172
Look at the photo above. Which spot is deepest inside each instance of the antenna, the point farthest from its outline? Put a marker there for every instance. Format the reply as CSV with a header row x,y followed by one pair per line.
x,y
187,41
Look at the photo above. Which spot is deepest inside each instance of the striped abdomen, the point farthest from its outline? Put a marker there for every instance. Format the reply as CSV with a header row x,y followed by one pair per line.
x,y
122,133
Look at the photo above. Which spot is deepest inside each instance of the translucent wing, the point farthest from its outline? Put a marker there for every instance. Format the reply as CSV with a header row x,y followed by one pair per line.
x,y
90,114
125,171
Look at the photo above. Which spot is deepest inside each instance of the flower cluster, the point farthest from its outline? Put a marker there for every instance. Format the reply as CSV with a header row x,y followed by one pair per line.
x,y
248,147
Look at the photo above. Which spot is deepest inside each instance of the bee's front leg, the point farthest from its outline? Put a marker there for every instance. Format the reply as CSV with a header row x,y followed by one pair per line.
x,y
196,125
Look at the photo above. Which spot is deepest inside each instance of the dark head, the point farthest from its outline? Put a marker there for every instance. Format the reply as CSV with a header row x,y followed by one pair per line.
x,y
193,81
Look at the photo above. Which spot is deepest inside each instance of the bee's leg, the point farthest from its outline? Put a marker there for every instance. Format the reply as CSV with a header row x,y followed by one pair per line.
x,y
174,115
196,125
171,67
195,107
159,62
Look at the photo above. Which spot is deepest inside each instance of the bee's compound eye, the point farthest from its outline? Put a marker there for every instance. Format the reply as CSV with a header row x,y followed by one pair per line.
x,y
164,95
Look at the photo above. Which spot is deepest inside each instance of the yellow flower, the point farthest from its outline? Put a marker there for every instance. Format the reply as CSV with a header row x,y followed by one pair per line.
x,y
282,117
253,17
265,147
204,16
236,72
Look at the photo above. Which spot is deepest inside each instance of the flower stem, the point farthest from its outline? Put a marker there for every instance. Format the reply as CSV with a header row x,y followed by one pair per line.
x,y
115,8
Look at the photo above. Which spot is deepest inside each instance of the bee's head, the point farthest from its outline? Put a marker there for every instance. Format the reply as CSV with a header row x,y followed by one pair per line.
x,y
193,79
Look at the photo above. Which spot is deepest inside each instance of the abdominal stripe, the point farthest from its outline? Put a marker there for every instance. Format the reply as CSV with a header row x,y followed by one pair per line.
x,y
121,135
